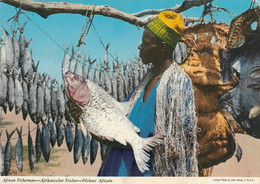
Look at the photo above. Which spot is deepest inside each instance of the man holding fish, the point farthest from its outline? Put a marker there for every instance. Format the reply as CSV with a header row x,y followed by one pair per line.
x,y
164,104
161,108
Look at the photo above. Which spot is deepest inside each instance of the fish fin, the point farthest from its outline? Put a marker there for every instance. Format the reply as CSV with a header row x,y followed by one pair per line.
x,y
126,107
239,153
142,148
254,112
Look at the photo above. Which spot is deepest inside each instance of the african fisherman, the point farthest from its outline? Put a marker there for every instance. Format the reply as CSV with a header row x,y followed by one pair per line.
x,y
163,104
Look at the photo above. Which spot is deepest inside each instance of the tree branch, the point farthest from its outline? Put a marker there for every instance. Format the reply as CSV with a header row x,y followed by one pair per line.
x,y
44,9
186,4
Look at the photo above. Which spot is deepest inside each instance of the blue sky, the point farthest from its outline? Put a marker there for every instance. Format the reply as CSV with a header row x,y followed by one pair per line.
x,y
124,38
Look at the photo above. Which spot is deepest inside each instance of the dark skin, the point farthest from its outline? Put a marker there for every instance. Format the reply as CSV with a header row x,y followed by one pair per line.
x,y
154,50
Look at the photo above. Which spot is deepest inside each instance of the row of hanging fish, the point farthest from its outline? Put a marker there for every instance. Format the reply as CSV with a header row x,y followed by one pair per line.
x,y
119,79
47,135
22,87
43,98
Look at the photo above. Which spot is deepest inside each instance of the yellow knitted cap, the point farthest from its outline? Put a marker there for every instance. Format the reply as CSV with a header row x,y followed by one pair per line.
x,y
168,26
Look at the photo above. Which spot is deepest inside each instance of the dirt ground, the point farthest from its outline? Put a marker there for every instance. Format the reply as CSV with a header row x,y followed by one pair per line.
x,y
61,160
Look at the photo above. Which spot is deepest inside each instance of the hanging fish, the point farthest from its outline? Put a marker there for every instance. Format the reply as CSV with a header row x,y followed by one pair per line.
x,y
16,49
47,97
78,68
60,101
8,153
40,99
114,80
78,144
66,61
90,75
45,142
2,54
10,91
18,92
22,43
96,74
30,149
73,60
3,89
84,68
135,75
52,130
9,51
126,79
2,158
130,82
85,149
38,145
93,150
60,131
33,98
103,149
53,100
69,135
120,87
19,151
106,78
26,61
25,106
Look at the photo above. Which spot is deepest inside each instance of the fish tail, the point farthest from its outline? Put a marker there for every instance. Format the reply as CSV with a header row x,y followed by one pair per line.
x,y
9,135
142,148
19,132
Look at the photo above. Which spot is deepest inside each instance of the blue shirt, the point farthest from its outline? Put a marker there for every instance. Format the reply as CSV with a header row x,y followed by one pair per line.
x,y
121,162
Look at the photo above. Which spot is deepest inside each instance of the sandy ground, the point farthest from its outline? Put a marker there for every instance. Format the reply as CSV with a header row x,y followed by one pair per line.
x,y
61,160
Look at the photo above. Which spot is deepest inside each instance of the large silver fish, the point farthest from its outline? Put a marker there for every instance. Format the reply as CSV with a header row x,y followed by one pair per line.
x,y
105,118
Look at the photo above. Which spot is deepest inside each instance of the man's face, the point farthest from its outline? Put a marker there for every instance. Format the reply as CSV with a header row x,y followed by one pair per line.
x,y
150,47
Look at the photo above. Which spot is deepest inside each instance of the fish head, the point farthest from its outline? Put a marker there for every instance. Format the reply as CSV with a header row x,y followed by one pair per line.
x,y
76,88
